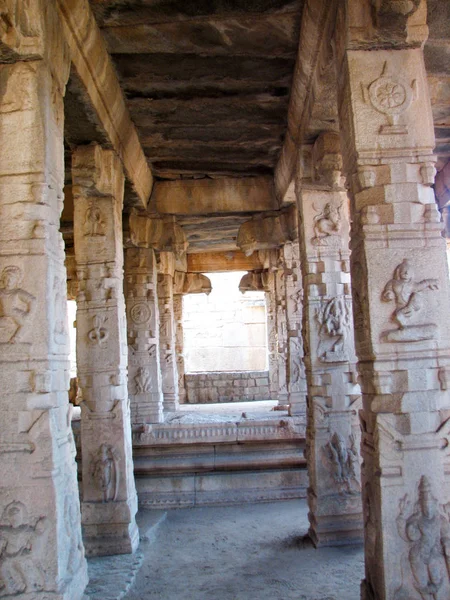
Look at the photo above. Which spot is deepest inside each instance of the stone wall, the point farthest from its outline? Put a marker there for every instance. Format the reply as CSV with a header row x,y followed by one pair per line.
x,y
203,388
225,331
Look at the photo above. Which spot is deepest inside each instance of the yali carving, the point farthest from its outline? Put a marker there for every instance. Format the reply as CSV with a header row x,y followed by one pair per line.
x,y
327,225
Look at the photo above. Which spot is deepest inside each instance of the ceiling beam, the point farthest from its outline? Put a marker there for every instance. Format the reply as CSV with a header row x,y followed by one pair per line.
x,y
95,70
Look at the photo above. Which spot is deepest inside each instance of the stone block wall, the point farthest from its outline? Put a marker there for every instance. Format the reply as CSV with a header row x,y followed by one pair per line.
x,y
204,388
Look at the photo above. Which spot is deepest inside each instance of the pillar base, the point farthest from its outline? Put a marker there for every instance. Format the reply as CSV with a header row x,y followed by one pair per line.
x,y
110,528
171,402
336,530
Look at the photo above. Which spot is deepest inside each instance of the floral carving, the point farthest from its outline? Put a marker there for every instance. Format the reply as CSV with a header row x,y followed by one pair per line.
x,y
140,313
99,334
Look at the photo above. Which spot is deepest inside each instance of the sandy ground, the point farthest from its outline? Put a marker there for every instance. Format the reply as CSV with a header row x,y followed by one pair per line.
x,y
249,552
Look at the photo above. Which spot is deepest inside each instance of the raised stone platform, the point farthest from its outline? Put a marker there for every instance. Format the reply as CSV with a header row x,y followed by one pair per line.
x,y
224,456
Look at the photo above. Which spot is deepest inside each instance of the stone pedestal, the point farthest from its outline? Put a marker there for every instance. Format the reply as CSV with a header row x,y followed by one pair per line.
x,y
41,551
400,292
333,437
109,496
144,373
296,377
167,332
179,345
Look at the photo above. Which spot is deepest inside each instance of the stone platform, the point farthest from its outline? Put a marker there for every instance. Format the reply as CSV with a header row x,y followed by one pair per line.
x,y
218,455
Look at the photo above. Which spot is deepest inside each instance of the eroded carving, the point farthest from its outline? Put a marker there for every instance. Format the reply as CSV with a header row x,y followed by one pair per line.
x,y
143,380
99,334
334,317
140,313
342,461
426,530
408,297
94,224
15,305
105,472
327,225
20,571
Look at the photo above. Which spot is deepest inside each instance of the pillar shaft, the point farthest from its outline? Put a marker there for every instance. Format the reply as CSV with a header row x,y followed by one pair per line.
x,y
282,349
41,552
144,373
296,378
272,335
109,496
179,345
334,495
400,292
167,332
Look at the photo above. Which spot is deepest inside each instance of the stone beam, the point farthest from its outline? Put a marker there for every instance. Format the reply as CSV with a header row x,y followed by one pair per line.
x,y
316,19
203,196
96,72
220,262
269,232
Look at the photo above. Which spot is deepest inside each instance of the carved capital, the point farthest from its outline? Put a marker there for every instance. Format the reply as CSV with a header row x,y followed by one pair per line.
x,y
191,283
97,171
327,161
164,235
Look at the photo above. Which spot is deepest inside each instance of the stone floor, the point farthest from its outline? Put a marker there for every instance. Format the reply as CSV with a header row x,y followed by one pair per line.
x,y
251,552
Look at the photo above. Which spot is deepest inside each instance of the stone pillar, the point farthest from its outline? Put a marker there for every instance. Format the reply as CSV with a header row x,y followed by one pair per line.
x,y
296,377
167,331
41,552
282,337
144,373
400,292
272,335
179,345
109,497
333,437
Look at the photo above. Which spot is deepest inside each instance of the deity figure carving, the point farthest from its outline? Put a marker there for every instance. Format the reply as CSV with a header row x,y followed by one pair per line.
x,y
143,380
19,570
427,532
98,335
327,225
342,461
335,321
94,224
408,297
71,521
105,471
15,305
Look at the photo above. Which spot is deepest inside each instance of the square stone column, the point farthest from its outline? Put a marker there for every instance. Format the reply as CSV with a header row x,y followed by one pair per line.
x,y
41,551
400,292
109,496
296,377
167,331
272,335
333,436
144,372
179,345
282,346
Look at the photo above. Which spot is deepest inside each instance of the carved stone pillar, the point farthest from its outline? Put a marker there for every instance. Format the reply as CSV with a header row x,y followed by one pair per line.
x,y
272,335
167,332
282,336
179,344
400,292
296,377
109,497
41,551
144,373
334,495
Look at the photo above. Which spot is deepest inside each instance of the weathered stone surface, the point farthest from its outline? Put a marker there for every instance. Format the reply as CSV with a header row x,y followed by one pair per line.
x,y
216,262
204,388
109,501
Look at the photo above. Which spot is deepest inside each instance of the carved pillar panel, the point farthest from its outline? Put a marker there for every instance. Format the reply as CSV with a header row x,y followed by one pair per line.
x,y
109,496
334,495
400,292
296,377
41,551
282,348
144,373
179,344
167,332
272,335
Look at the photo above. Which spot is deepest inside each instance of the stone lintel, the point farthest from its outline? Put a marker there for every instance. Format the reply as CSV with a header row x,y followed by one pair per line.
x,y
203,196
96,71
222,262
